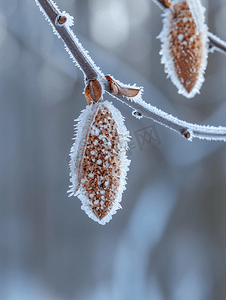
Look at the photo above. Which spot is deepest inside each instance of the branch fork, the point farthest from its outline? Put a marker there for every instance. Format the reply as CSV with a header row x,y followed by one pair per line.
x,y
96,83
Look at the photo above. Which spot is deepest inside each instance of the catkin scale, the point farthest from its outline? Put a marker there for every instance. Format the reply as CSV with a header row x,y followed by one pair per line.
x,y
184,45
98,161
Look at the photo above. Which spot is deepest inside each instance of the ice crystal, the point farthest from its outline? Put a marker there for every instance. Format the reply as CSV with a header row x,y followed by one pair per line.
x,y
185,45
98,162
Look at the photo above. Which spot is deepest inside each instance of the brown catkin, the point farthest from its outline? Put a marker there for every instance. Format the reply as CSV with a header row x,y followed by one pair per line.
x,y
101,165
186,46
98,161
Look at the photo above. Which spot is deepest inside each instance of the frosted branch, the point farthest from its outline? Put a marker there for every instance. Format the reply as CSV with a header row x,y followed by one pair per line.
x,y
187,130
72,45
140,107
215,43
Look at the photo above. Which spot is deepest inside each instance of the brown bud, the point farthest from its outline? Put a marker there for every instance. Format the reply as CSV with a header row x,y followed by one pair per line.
x,y
61,20
115,87
93,91
186,134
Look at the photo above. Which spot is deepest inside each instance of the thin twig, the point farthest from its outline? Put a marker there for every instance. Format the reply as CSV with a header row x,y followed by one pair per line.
x,y
186,129
215,43
90,70
51,11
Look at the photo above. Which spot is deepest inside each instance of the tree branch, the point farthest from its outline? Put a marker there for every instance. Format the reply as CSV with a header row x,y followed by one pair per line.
x,y
72,45
142,109
215,43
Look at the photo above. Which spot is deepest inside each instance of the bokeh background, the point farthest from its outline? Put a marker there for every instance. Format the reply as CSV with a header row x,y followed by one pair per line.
x,y
169,240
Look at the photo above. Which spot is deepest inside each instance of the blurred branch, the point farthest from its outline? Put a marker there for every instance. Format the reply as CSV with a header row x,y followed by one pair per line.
x,y
91,71
215,43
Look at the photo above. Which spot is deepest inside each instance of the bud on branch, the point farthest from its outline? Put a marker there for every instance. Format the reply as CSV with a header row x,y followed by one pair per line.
x,y
98,163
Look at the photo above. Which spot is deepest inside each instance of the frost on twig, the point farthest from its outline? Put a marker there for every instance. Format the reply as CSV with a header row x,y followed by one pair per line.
x,y
98,163
146,110
216,44
195,131
72,45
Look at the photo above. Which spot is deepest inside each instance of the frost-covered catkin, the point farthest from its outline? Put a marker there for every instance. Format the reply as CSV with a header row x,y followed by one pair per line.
x,y
185,45
98,160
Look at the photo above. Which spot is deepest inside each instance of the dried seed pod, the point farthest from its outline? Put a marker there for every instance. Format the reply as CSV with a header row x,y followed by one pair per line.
x,y
115,87
98,162
184,45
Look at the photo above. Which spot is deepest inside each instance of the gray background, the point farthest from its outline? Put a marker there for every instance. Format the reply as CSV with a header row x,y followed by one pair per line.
x,y
169,240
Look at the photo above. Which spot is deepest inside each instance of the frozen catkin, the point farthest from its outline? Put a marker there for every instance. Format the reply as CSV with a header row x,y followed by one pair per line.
x,y
184,46
98,162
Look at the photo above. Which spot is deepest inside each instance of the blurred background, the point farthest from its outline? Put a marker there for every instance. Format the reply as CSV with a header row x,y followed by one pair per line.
x,y
169,240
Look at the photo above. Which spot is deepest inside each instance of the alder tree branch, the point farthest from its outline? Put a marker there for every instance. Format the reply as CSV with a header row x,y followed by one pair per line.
x,y
215,43
51,11
140,107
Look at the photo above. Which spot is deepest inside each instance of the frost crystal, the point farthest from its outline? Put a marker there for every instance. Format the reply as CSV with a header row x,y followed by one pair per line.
x,y
101,158
185,45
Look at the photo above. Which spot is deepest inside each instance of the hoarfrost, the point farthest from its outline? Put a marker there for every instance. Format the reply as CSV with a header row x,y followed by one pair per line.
x,y
198,13
67,25
82,129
